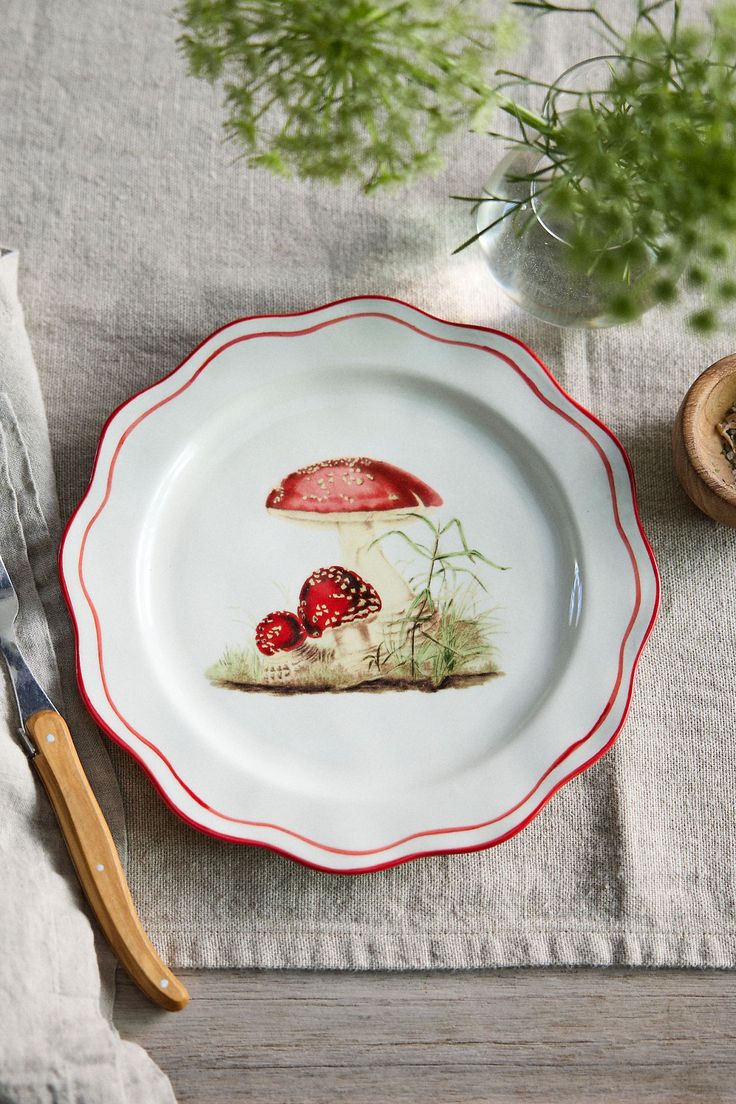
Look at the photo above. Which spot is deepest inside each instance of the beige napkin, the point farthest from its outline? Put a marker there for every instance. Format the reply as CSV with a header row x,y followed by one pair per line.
x,y
57,1045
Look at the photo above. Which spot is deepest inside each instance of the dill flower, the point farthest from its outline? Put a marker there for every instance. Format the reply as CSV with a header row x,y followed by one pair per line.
x,y
648,163
335,89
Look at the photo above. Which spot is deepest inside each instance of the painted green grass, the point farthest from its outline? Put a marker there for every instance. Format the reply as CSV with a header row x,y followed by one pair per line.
x,y
442,642
447,649
242,666
444,638
445,632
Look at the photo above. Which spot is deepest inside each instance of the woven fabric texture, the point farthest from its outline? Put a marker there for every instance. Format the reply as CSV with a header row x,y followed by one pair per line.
x,y
140,235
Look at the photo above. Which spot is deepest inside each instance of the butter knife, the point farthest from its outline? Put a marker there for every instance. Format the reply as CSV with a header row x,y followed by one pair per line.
x,y
48,744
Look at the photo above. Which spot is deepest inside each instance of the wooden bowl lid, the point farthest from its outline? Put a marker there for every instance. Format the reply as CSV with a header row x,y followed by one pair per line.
x,y
705,473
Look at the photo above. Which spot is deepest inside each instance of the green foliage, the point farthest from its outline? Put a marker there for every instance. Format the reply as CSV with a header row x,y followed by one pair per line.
x,y
334,89
643,170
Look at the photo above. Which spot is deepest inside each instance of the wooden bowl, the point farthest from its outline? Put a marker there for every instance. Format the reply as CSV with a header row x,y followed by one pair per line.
x,y
705,474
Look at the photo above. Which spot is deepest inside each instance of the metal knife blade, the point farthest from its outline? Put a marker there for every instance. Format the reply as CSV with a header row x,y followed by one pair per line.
x,y
28,694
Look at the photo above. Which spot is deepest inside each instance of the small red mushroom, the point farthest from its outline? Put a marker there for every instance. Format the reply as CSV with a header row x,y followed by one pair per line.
x,y
334,596
279,632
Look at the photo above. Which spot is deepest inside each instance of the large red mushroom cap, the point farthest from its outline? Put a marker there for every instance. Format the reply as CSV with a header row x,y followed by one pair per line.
x,y
334,596
350,486
279,632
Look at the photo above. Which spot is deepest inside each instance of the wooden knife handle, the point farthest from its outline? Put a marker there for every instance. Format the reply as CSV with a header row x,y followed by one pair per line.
x,y
95,858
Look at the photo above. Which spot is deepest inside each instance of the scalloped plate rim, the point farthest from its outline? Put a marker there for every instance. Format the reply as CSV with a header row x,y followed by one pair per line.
x,y
628,676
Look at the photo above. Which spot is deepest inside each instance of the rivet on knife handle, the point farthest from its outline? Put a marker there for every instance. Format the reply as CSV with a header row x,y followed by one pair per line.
x,y
96,859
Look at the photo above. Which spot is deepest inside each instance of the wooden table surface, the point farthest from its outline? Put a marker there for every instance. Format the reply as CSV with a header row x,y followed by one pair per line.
x,y
548,1036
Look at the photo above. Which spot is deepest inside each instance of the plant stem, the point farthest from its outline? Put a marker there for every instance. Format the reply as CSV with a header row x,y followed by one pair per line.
x,y
524,115
521,114
423,606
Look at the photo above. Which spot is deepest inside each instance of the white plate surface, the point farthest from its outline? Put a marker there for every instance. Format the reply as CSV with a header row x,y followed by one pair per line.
x,y
172,555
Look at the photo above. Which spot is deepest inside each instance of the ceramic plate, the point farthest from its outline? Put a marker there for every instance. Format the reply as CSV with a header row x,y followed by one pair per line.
x,y
359,585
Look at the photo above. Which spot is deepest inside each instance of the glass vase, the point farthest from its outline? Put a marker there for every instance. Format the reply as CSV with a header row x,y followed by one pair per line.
x,y
527,248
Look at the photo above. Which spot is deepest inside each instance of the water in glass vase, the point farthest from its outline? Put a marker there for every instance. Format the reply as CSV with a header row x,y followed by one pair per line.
x,y
529,257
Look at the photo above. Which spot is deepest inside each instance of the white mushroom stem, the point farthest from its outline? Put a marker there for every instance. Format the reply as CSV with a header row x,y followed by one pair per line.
x,y
362,554
354,644
280,668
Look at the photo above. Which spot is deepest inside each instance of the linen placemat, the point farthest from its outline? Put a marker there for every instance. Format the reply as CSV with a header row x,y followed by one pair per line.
x,y
141,235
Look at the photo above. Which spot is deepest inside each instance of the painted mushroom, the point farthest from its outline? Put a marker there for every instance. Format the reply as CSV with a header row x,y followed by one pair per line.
x,y
282,632
333,598
360,497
